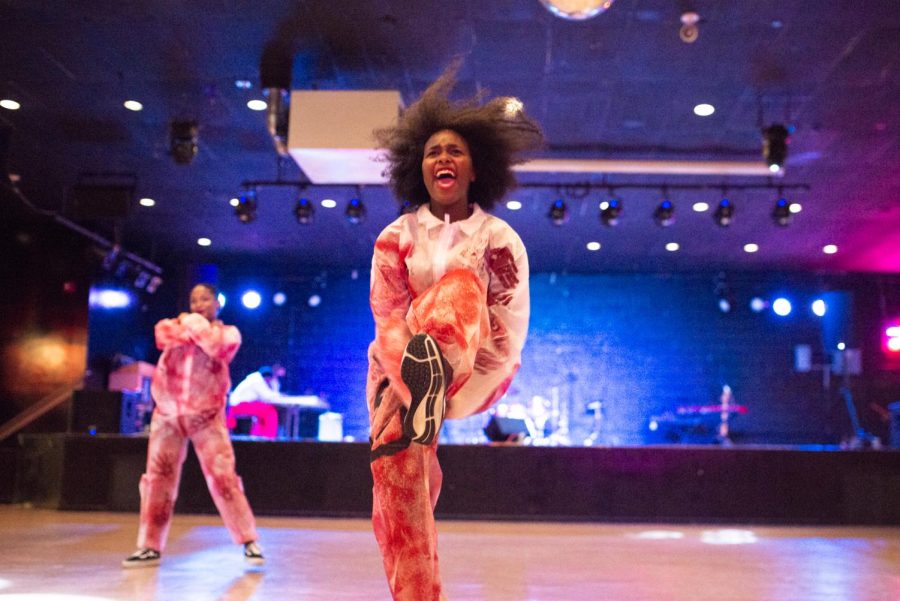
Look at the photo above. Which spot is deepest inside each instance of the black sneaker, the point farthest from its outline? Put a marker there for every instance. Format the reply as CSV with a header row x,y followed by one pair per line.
x,y
253,554
424,372
142,558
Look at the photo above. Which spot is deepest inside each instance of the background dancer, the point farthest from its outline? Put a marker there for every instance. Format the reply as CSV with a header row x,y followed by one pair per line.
x,y
190,387
449,294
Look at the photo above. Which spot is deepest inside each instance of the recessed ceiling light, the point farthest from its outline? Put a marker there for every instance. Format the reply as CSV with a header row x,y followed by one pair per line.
x,y
147,202
257,105
11,105
830,249
593,246
513,205
234,202
795,207
133,105
329,203
243,84
751,247
672,246
700,207
204,241
704,110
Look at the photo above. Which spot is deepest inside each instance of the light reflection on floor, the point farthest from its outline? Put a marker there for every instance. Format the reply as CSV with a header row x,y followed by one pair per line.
x,y
67,556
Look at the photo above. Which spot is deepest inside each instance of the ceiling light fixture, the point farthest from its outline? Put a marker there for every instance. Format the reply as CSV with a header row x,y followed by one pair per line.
x,y
664,215
133,105
781,214
724,213
775,142
10,105
246,208
183,141
610,212
304,211
690,29
356,211
704,110
577,10
257,105
559,213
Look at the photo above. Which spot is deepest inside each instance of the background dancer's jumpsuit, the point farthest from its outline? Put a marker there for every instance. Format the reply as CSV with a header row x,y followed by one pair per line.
x,y
465,284
190,387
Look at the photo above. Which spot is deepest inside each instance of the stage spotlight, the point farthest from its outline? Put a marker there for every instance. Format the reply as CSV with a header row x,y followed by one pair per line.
x,y
610,212
559,213
246,207
142,279
781,214
154,283
304,211
251,299
356,211
782,307
664,215
724,213
758,305
183,141
819,308
724,295
775,141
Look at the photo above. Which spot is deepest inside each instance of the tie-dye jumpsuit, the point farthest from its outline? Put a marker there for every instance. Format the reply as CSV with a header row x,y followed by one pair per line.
x,y
190,385
466,284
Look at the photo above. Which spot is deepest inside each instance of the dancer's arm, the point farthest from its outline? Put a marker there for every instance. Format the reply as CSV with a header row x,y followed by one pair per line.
x,y
218,341
169,332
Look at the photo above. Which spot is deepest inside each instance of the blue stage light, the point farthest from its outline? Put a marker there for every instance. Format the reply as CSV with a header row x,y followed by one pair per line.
x,y
782,307
819,308
251,299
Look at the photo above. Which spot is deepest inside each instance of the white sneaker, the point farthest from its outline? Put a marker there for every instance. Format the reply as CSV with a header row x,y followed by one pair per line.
x,y
142,558
253,554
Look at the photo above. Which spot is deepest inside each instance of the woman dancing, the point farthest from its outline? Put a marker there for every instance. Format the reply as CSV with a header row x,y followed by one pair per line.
x,y
449,294
190,387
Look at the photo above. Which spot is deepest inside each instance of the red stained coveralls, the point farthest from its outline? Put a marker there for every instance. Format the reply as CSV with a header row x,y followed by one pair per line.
x,y
190,387
465,284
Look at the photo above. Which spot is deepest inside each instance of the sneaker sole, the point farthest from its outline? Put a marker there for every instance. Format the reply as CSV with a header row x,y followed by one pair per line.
x,y
147,563
255,561
422,370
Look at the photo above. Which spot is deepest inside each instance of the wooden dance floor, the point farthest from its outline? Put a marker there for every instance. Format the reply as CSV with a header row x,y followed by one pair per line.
x,y
49,555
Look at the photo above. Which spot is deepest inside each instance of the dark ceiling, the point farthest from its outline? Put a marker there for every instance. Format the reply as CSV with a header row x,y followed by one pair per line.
x,y
621,85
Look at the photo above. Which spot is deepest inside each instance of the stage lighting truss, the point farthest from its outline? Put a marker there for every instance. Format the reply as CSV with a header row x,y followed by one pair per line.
x,y
610,209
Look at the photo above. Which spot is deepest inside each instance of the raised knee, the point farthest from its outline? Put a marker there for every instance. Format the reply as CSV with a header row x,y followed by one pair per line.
x,y
460,283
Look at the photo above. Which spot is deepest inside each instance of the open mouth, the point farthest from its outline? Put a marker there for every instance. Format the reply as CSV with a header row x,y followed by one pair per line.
x,y
445,177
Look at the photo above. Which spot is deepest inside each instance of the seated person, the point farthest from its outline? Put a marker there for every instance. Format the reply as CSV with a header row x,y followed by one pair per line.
x,y
253,396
